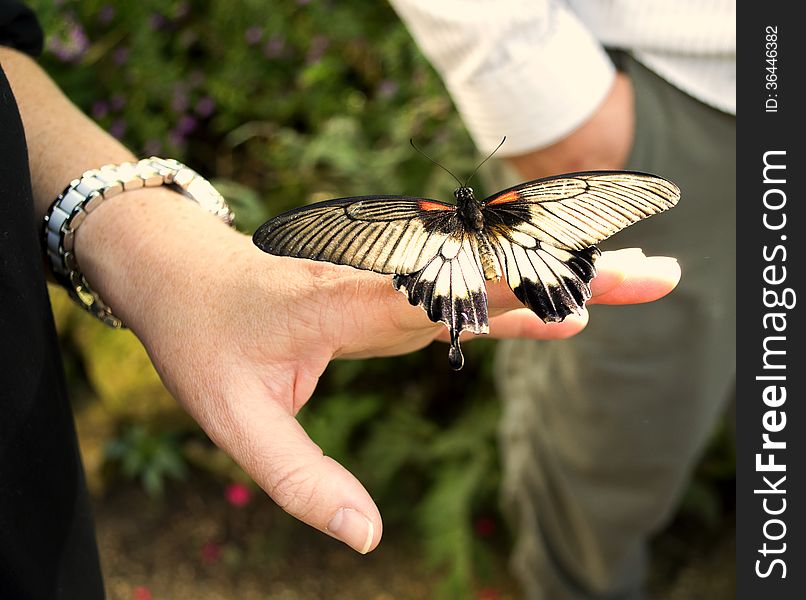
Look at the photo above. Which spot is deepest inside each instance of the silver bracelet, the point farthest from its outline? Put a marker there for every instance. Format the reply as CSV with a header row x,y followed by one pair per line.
x,y
92,189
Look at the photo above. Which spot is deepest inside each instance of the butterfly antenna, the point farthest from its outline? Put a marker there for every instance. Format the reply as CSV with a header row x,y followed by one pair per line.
x,y
413,145
485,160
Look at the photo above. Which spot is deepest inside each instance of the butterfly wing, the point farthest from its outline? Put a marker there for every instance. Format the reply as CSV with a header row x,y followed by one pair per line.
x,y
450,288
385,234
543,232
578,210
552,282
420,241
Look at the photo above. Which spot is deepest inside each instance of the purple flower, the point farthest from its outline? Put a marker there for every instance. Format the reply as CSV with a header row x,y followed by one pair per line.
x,y
182,10
317,49
117,102
72,46
387,88
100,109
118,128
186,125
152,147
274,47
106,14
157,21
121,55
180,101
253,35
205,107
78,37
177,140
56,47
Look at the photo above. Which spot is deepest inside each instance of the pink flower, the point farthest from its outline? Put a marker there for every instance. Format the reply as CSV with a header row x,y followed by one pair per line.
x,y
210,553
141,592
488,594
238,494
484,526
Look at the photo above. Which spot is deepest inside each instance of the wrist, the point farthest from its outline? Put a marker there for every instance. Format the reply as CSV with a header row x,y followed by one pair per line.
x,y
144,246
86,194
604,141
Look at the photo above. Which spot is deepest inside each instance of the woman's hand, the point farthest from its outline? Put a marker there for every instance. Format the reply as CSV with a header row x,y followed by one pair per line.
x,y
241,337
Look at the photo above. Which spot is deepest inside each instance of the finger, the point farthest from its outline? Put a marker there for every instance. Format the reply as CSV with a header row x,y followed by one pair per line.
x,y
523,323
624,276
277,453
632,278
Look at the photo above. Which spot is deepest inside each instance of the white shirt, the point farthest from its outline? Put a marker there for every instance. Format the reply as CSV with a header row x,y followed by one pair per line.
x,y
535,70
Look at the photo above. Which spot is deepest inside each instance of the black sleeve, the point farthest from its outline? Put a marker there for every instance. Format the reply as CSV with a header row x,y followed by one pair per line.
x,y
47,540
19,28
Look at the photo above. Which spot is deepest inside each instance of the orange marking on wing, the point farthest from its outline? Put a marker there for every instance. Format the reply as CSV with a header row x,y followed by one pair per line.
x,y
510,196
426,205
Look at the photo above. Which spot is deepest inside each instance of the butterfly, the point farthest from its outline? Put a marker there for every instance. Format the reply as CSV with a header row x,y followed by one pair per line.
x,y
540,236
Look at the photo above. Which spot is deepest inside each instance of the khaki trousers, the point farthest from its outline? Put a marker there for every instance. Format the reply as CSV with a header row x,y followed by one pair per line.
x,y
601,431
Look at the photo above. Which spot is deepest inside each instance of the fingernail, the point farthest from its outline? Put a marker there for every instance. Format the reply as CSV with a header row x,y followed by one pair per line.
x,y
635,252
618,258
352,528
663,261
666,265
624,254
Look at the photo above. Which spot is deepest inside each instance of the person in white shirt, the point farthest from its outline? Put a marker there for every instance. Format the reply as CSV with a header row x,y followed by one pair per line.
x,y
600,432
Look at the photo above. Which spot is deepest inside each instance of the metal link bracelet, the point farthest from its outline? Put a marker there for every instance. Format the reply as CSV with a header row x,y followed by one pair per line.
x,y
92,189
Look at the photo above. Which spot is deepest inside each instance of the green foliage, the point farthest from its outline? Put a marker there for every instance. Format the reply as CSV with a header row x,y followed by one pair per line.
x,y
466,473
149,457
295,101
425,457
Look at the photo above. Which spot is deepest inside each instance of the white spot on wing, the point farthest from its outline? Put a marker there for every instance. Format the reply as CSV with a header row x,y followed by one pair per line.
x,y
442,285
524,264
458,286
523,239
451,248
432,270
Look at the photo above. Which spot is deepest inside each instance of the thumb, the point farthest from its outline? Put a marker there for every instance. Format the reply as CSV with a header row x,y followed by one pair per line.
x,y
274,449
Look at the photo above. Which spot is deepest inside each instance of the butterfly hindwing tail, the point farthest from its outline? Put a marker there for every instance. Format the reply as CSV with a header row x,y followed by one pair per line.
x,y
451,290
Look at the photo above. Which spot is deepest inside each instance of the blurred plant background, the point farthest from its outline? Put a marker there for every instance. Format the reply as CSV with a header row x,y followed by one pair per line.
x,y
283,103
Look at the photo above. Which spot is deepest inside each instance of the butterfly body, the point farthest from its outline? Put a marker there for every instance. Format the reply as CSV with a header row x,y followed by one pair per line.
x,y
469,209
539,236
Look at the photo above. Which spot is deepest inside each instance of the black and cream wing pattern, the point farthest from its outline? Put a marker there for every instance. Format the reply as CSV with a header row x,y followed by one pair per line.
x,y
539,236
421,242
544,232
